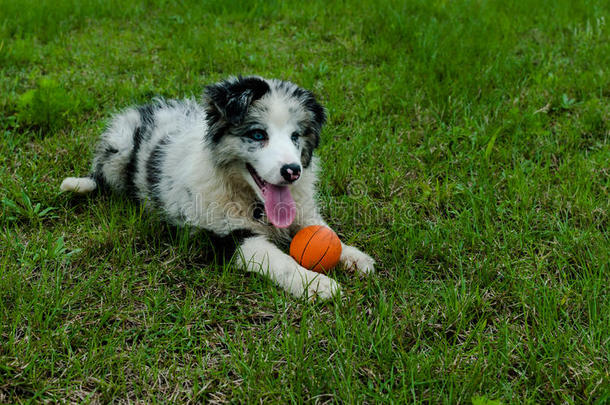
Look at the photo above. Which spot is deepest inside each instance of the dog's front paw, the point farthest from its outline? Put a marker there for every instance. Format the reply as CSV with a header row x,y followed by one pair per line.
x,y
323,288
354,259
316,286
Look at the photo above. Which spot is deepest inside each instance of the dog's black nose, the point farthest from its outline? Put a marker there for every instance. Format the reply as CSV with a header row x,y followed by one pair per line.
x,y
291,172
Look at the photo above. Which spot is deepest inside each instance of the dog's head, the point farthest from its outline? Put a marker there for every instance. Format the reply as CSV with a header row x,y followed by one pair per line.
x,y
269,129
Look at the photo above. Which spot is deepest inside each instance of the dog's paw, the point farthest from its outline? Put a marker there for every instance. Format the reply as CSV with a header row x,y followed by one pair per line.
x,y
316,286
355,260
323,288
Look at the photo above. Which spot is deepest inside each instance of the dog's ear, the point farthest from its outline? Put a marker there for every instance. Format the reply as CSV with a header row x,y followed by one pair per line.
x,y
309,102
227,102
318,119
318,112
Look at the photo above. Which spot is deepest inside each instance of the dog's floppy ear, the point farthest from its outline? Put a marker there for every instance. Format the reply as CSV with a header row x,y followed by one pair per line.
x,y
318,112
227,102
318,119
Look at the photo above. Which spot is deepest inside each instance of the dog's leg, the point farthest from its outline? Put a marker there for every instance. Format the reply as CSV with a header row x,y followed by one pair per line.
x,y
259,255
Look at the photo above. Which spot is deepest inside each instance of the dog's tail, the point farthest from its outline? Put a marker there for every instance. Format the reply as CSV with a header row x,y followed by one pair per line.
x,y
79,185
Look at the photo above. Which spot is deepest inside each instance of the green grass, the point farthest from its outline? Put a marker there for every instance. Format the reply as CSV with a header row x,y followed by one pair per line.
x,y
467,150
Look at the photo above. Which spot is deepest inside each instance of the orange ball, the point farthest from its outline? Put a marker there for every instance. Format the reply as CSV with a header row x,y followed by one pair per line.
x,y
316,248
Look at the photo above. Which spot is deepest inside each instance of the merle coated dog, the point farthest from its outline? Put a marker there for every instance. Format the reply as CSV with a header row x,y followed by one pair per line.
x,y
240,163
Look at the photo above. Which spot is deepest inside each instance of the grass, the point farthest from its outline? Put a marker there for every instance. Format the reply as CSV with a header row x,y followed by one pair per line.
x,y
467,150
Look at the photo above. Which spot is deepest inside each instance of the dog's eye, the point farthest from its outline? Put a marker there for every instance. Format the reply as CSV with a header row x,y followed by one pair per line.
x,y
294,136
257,135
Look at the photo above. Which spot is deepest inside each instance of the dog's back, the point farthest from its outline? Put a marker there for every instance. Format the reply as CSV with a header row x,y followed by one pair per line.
x,y
128,154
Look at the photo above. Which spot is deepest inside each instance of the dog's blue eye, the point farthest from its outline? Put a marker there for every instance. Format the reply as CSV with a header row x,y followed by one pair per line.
x,y
257,135
294,137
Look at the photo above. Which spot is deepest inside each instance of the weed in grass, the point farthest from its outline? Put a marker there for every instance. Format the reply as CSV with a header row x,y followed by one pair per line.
x,y
24,209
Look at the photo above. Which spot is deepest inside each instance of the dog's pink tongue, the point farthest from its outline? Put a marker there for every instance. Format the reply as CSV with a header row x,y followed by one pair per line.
x,y
279,205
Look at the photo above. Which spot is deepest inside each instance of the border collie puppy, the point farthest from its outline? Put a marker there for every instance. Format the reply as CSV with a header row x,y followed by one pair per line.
x,y
240,164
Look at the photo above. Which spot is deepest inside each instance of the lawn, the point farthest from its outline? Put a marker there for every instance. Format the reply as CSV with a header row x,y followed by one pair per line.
x,y
467,150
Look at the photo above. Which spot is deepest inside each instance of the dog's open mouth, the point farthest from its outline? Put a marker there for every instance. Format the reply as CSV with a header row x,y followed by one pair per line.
x,y
279,204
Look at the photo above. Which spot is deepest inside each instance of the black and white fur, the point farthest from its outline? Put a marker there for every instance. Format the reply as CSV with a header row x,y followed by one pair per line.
x,y
196,163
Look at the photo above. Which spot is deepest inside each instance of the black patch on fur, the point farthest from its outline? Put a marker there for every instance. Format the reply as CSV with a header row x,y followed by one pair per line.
x,y
102,186
258,213
141,133
309,101
227,103
226,246
147,114
130,168
97,175
109,151
318,114
153,169
310,144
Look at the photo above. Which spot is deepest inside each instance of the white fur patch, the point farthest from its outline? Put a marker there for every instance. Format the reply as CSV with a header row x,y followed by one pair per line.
x,y
80,185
